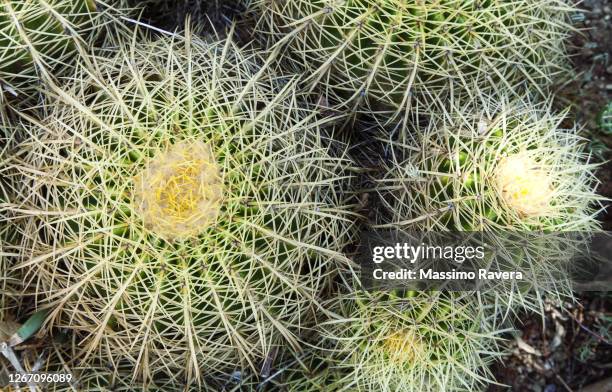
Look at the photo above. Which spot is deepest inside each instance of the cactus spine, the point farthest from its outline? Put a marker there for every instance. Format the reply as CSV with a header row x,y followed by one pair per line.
x,y
41,38
417,342
397,53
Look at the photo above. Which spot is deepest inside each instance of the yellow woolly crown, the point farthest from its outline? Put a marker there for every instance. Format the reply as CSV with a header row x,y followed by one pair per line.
x,y
180,191
403,346
523,185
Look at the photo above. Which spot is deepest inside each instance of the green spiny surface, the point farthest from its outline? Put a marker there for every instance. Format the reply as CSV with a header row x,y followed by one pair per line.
x,y
112,186
58,356
408,342
506,166
41,37
398,53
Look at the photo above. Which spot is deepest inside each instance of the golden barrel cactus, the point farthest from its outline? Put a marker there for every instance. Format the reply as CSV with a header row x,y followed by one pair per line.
x,y
400,54
184,210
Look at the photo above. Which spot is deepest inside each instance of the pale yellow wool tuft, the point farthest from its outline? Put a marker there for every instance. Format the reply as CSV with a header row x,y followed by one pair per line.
x,y
180,191
524,185
403,346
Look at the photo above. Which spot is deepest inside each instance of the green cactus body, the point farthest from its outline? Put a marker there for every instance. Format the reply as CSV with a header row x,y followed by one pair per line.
x,y
422,343
57,355
516,169
40,37
104,377
508,167
393,52
191,211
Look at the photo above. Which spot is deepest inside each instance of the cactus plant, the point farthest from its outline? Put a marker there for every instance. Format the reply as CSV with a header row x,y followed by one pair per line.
x,y
505,166
397,53
412,342
399,341
40,38
184,211
58,356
